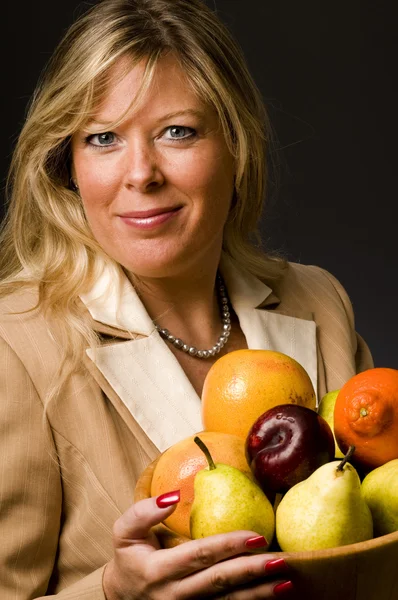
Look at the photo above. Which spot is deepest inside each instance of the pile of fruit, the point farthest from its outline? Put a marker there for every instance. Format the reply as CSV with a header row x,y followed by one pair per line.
x,y
269,461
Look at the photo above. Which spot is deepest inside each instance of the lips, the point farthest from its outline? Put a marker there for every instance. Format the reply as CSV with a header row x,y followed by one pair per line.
x,y
149,219
144,214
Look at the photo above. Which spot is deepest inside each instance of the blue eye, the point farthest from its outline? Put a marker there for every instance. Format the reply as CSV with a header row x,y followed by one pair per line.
x,y
179,132
103,139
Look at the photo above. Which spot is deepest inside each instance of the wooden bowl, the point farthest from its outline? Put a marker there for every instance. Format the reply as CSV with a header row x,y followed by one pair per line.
x,y
363,571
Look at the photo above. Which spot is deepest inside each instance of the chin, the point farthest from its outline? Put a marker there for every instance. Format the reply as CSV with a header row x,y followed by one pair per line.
x,y
166,258
171,265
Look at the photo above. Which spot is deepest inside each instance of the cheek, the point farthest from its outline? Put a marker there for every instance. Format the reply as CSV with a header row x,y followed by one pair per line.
x,y
97,194
97,180
98,189
212,176
97,174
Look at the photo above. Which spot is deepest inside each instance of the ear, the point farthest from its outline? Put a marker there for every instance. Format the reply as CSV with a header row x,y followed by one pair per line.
x,y
234,199
72,179
71,166
73,184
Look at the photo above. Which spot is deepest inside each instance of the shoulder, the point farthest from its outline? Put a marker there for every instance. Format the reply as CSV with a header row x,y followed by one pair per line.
x,y
314,292
18,308
18,300
18,311
315,289
304,275
26,332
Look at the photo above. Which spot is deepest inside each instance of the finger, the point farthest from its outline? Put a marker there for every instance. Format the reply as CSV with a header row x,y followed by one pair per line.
x,y
244,577
196,555
134,526
264,591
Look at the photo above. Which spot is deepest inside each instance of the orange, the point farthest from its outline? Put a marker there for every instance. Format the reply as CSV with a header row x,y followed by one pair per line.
x,y
366,416
242,385
178,465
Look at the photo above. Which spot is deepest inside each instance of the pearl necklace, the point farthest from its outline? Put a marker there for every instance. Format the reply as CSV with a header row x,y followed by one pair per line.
x,y
223,338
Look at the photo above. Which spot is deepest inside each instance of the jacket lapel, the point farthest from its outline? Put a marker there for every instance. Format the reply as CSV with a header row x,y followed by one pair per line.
x,y
142,377
148,379
270,329
142,372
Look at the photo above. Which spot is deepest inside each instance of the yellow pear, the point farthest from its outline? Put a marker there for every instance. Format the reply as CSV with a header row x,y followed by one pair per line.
x,y
227,500
380,490
326,410
326,510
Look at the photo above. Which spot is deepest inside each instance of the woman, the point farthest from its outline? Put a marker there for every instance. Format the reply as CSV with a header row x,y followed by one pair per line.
x,y
137,183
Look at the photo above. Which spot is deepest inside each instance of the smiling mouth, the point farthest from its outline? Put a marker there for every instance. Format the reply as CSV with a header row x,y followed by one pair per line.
x,y
149,219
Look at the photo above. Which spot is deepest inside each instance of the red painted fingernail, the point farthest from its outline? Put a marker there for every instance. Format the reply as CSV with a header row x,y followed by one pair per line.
x,y
284,588
278,564
256,542
168,499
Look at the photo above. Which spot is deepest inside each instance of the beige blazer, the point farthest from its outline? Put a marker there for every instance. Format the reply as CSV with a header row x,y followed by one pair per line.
x,y
67,473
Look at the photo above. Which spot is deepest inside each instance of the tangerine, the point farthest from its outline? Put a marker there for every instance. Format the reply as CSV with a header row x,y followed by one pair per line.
x,y
178,465
366,416
241,385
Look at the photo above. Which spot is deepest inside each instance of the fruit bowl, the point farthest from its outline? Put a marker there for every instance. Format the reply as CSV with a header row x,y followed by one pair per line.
x,y
363,571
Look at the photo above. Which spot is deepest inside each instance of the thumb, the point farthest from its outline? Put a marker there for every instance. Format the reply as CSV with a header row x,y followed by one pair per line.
x,y
134,526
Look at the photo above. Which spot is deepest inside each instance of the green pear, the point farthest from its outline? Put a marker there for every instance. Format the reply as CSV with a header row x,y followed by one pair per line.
x,y
326,410
326,510
225,499
380,490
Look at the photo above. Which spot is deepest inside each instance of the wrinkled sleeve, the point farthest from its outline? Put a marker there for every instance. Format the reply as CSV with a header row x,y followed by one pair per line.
x,y
30,492
363,356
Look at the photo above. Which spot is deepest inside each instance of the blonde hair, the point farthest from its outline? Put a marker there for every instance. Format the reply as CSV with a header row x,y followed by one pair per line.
x,y
46,240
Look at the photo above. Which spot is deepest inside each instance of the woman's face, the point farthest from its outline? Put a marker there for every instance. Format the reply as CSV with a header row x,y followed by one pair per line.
x,y
156,189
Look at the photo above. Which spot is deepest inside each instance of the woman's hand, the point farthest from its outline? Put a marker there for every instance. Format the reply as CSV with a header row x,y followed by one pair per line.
x,y
214,567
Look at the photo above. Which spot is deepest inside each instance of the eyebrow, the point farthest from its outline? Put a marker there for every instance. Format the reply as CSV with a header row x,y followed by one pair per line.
x,y
179,113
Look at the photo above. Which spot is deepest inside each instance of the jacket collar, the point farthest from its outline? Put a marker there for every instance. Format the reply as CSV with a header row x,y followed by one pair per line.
x,y
113,301
142,377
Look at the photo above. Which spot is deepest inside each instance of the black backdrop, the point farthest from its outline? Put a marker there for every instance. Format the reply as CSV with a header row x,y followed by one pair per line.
x,y
325,70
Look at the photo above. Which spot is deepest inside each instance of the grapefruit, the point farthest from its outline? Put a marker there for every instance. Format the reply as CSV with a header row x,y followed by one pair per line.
x,y
178,465
241,385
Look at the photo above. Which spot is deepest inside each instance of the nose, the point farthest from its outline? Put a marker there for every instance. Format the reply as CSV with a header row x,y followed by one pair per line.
x,y
143,171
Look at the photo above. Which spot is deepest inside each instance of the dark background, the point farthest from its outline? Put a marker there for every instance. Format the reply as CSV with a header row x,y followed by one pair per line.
x,y
326,72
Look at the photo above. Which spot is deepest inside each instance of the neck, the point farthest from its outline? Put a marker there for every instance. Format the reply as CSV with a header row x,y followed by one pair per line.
x,y
186,305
